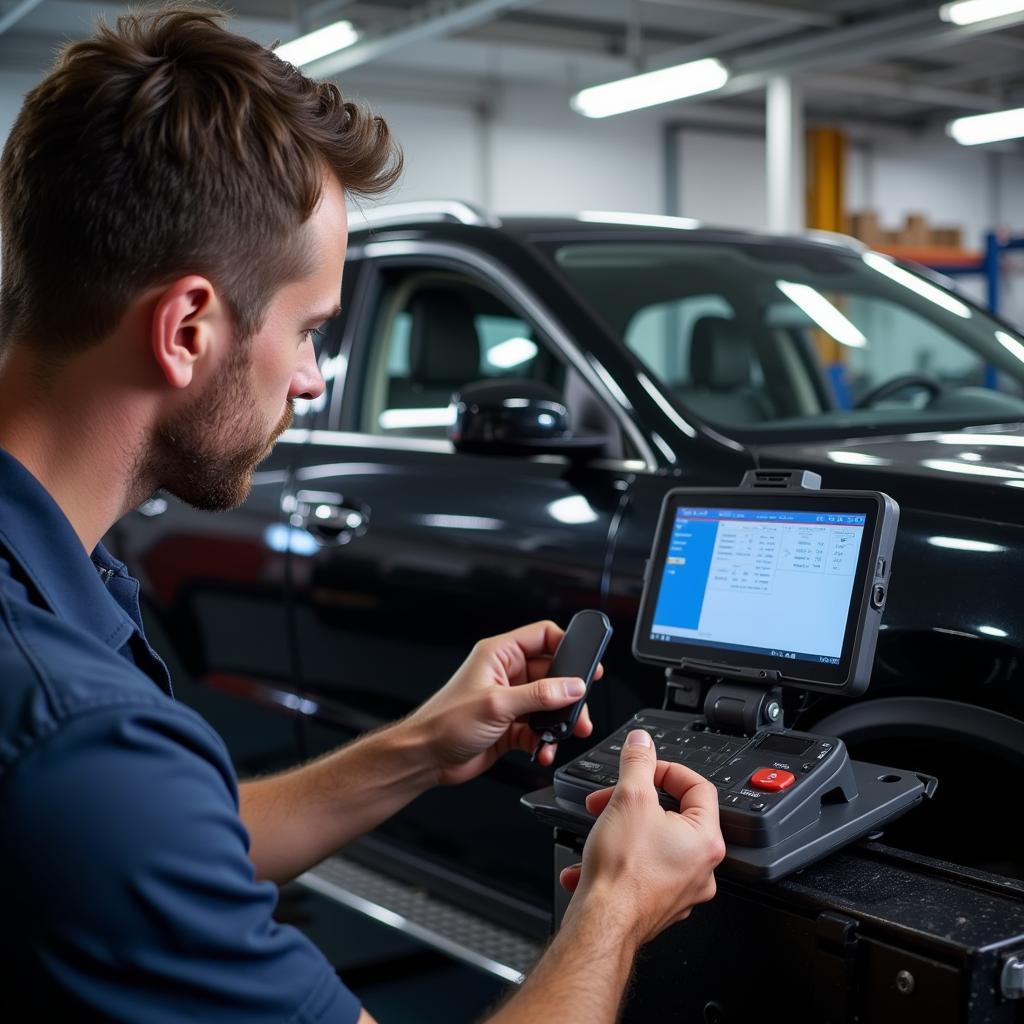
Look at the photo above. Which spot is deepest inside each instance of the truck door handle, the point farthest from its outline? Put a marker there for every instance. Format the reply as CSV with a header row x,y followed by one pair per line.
x,y
331,518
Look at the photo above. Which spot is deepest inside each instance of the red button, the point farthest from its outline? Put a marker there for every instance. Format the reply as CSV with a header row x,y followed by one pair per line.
x,y
772,780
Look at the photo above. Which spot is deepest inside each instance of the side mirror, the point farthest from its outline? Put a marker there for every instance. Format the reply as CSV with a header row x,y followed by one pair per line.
x,y
516,417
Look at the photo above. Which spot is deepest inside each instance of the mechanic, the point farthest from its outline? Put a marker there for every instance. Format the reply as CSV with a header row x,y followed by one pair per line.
x,y
174,229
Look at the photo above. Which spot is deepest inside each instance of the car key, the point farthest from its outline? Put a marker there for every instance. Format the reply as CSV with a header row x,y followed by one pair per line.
x,y
578,655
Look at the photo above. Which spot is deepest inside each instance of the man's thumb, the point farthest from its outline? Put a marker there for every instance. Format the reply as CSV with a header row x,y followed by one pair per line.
x,y
637,760
543,695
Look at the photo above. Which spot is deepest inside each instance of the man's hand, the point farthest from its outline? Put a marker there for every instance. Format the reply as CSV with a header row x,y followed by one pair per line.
x,y
651,865
480,712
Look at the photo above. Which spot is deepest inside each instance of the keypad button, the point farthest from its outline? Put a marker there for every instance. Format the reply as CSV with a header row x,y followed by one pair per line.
x,y
807,766
772,780
580,773
758,806
713,742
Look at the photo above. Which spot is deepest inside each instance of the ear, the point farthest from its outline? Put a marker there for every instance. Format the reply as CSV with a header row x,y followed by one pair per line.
x,y
188,320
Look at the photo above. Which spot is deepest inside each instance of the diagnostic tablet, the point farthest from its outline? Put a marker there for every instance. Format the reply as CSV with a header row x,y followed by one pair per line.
x,y
785,585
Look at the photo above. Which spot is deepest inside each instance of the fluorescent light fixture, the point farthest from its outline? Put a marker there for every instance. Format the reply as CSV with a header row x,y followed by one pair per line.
x,y
315,45
963,544
511,352
884,265
978,129
397,419
651,88
823,313
646,220
968,12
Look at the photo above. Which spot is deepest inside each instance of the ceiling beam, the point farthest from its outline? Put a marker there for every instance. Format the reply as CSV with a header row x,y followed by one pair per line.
x,y
866,41
724,43
908,92
752,9
428,21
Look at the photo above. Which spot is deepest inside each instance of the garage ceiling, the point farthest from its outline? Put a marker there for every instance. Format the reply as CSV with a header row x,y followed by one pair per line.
x,y
861,60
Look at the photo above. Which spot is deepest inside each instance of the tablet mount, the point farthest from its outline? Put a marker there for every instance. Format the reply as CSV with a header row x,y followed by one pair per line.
x,y
786,798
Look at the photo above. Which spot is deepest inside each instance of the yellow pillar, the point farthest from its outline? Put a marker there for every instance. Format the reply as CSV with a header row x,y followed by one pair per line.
x,y
826,167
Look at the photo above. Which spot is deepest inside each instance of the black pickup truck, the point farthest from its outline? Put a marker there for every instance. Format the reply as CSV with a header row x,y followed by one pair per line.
x,y
374,550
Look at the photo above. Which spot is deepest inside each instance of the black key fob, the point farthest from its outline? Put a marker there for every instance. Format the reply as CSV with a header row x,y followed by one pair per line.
x,y
578,655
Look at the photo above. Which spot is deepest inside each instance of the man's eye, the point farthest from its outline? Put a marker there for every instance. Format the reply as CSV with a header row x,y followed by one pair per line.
x,y
312,334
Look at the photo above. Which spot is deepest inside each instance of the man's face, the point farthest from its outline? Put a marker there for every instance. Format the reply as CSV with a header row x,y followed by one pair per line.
x,y
205,453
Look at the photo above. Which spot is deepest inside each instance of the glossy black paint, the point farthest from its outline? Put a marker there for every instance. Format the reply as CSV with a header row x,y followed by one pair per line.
x,y
362,568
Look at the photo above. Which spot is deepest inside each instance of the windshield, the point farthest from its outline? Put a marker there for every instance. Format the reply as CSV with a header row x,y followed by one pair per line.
x,y
767,336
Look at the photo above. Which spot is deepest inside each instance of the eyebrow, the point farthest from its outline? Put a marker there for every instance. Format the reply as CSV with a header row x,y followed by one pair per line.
x,y
329,315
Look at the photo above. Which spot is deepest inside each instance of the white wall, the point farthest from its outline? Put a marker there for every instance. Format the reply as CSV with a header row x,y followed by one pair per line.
x,y
722,179
525,151
441,143
13,86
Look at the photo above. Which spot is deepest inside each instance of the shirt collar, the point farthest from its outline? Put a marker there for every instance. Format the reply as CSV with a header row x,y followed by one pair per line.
x,y
39,538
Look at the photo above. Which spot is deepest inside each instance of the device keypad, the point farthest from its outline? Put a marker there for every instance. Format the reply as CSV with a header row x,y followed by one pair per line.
x,y
747,778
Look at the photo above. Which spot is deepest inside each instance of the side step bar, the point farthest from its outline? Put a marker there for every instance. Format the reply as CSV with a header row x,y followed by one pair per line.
x,y
450,930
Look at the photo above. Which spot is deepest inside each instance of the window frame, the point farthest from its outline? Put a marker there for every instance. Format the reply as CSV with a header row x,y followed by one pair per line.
x,y
486,273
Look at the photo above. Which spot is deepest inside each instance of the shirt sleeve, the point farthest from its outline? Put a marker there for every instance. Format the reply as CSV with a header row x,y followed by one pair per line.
x,y
125,865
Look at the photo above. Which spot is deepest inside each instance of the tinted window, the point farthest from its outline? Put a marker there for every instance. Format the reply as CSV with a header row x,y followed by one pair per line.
x,y
776,336
434,333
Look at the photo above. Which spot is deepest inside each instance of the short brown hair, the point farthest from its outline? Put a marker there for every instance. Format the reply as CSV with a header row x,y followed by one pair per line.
x,y
163,146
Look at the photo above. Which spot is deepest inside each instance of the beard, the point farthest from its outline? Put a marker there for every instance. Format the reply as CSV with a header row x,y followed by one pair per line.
x,y
206,452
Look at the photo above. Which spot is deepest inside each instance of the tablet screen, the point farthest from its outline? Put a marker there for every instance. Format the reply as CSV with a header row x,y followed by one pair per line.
x,y
780,581
761,581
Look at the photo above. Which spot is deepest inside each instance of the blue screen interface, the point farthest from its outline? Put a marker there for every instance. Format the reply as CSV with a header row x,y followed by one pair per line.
x,y
760,581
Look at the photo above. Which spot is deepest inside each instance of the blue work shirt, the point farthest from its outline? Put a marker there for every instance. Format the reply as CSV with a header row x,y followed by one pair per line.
x,y
126,889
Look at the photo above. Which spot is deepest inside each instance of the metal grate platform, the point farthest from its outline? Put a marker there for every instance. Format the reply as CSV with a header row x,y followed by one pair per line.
x,y
451,930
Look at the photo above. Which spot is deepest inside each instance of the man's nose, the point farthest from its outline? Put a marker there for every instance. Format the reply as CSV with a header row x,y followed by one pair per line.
x,y
307,381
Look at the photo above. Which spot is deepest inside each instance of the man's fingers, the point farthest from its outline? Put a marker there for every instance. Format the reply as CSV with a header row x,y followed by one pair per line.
x,y
537,639
584,726
636,768
542,695
598,800
569,878
691,789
